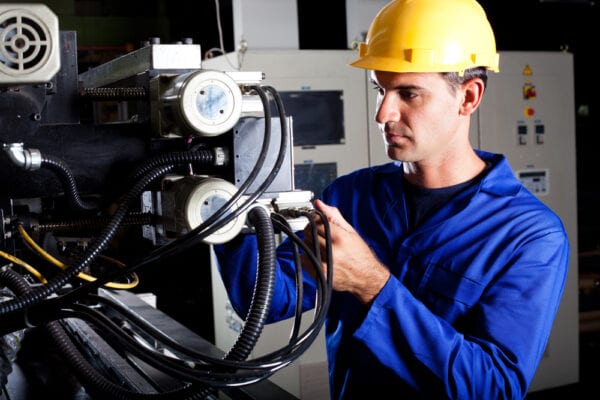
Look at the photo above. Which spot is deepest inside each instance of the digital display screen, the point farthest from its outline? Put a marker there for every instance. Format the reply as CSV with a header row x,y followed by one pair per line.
x,y
317,115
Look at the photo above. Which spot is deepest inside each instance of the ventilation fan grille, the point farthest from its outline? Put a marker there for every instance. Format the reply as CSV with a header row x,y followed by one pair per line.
x,y
28,44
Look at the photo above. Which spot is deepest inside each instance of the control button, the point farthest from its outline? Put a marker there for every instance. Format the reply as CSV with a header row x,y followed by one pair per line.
x,y
529,112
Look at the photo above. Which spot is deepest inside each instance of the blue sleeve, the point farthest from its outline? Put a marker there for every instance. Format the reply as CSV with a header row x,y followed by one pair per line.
x,y
501,350
237,264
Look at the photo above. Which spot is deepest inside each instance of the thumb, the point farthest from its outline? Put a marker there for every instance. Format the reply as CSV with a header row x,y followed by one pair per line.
x,y
333,215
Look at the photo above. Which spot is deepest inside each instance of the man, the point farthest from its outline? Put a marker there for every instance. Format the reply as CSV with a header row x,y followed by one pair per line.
x,y
447,272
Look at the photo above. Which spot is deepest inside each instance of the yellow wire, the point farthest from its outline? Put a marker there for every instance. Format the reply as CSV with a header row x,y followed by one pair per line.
x,y
23,264
81,275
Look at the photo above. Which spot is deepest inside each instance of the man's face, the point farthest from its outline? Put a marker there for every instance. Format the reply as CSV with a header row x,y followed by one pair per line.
x,y
418,115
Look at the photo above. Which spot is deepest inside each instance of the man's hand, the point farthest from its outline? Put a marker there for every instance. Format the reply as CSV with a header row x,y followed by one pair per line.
x,y
356,269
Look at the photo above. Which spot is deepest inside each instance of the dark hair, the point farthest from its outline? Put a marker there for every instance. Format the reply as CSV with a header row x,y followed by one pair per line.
x,y
455,80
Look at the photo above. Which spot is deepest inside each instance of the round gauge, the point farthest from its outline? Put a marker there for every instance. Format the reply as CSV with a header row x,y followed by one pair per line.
x,y
211,102
205,200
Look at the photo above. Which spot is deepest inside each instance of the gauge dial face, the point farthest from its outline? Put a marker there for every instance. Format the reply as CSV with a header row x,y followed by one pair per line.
x,y
211,102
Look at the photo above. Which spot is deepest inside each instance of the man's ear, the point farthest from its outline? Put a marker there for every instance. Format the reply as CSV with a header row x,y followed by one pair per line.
x,y
472,94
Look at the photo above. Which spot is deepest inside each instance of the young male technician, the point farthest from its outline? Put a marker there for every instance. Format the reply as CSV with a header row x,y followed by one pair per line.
x,y
447,272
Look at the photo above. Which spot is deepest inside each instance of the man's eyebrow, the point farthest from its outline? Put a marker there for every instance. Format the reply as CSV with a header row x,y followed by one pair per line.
x,y
400,87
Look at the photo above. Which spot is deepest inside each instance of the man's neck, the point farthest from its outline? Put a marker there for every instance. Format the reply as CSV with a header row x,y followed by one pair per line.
x,y
451,171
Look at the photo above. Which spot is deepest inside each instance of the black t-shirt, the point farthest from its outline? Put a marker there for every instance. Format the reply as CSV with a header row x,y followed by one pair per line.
x,y
422,202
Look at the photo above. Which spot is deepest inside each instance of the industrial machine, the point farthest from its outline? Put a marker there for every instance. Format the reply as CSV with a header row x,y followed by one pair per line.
x,y
116,181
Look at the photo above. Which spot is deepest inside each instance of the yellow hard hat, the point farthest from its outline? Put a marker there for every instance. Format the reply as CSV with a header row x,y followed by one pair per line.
x,y
429,36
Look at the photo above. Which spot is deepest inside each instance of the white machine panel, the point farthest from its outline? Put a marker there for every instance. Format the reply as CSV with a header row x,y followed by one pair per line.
x,y
318,75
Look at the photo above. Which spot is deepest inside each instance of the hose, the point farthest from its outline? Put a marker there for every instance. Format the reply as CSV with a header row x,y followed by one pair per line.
x,y
55,284
68,181
263,291
216,156
94,382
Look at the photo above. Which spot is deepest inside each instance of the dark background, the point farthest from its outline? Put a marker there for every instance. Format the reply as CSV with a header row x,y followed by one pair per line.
x,y
107,28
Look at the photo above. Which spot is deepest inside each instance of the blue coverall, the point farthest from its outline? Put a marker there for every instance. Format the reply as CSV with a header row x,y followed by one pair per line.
x,y
473,294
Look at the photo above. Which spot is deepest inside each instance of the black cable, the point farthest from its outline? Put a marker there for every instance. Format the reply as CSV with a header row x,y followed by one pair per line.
x,y
263,290
56,283
220,373
279,220
202,156
105,236
323,293
226,373
277,359
101,387
91,379
213,223
68,181
217,221
208,226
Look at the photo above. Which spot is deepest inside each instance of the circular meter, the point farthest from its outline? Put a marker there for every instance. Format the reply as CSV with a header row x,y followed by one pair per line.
x,y
206,198
207,102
